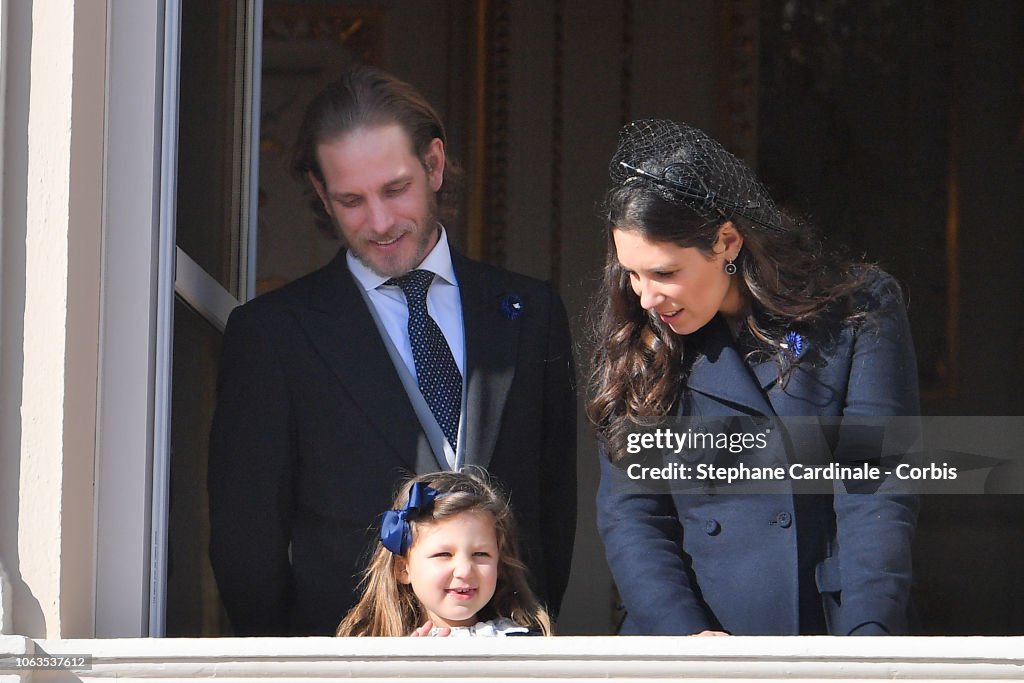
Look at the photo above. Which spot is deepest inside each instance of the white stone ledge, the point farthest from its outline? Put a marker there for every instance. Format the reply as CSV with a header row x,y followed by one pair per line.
x,y
552,659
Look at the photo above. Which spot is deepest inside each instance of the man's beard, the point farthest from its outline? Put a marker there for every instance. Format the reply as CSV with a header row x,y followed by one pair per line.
x,y
393,267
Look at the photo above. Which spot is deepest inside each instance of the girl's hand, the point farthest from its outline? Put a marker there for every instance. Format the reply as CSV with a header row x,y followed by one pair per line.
x,y
704,633
424,631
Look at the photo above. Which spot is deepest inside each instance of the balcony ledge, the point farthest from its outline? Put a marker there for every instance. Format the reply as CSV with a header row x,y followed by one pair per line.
x,y
562,658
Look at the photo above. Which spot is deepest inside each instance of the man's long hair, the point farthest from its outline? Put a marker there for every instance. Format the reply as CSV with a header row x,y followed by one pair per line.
x,y
365,96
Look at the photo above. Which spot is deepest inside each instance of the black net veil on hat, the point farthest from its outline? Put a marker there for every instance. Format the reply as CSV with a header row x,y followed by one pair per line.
x,y
688,168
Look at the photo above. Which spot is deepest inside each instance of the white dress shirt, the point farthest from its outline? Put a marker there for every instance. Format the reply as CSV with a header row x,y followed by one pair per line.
x,y
443,303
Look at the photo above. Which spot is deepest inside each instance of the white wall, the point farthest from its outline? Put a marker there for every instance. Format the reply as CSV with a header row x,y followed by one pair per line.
x,y
52,186
81,132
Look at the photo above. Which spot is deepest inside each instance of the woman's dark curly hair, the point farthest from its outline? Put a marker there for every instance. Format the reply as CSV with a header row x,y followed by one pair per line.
x,y
789,280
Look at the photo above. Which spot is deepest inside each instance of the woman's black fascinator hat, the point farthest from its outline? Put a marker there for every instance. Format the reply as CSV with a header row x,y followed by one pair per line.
x,y
688,168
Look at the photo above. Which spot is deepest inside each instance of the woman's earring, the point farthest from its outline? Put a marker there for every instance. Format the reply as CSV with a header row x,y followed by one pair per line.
x,y
730,268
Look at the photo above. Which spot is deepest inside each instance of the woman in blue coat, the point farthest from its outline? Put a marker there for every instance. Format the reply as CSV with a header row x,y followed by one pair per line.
x,y
717,304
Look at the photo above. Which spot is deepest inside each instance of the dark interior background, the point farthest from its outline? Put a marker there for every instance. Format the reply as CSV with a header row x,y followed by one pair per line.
x,y
897,127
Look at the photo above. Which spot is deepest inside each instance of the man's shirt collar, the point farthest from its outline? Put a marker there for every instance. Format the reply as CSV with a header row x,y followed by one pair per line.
x,y
437,261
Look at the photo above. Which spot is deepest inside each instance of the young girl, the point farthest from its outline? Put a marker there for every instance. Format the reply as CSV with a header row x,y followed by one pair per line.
x,y
447,565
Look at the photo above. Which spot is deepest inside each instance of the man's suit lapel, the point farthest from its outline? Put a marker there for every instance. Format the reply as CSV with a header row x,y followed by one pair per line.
x,y
492,342
721,373
339,324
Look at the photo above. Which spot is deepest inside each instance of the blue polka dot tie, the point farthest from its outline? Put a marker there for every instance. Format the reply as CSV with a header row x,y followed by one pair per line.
x,y
436,372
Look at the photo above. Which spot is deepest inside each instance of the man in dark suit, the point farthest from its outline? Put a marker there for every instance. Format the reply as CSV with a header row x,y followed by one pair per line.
x,y
399,356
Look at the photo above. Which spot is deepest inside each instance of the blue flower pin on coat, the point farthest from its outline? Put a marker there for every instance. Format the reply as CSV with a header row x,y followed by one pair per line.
x,y
512,306
792,347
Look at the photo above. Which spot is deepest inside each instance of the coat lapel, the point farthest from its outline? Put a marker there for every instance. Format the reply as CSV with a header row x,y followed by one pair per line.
x,y
492,342
339,325
722,374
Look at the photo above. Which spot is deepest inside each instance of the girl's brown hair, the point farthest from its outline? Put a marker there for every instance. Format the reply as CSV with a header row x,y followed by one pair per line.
x,y
390,608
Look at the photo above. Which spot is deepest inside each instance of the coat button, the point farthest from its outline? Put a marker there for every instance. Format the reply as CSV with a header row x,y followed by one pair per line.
x,y
712,527
784,519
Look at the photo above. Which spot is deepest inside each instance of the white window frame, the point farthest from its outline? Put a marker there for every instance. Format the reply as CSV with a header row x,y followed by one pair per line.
x,y
133,189
140,260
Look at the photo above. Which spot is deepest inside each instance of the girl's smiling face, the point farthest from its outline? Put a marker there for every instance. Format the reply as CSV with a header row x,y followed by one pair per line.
x,y
452,566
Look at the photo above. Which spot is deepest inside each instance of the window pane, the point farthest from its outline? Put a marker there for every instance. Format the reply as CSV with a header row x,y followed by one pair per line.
x,y
193,608
211,137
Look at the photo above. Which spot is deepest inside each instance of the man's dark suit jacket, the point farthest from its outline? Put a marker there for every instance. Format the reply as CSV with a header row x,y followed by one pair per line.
x,y
313,432
699,559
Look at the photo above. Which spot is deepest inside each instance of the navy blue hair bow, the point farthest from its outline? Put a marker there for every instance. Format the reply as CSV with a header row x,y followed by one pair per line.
x,y
395,533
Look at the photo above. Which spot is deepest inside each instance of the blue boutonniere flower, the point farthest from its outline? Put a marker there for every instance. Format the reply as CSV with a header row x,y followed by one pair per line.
x,y
512,306
792,346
